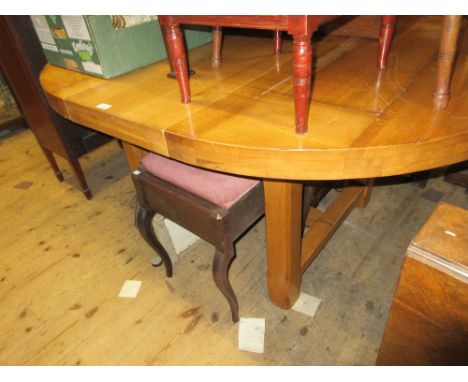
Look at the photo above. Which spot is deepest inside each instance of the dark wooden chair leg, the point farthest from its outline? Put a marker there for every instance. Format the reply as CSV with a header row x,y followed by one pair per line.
x,y
144,222
222,259
386,31
278,41
312,194
176,49
53,163
75,164
216,57
302,72
448,46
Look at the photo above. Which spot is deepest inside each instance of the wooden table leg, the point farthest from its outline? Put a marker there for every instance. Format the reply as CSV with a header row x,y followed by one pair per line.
x,y
302,56
448,46
134,154
283,202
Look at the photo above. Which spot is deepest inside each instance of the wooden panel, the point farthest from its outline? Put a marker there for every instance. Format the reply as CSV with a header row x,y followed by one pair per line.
x,y
445,235
360,26
428,321
259,22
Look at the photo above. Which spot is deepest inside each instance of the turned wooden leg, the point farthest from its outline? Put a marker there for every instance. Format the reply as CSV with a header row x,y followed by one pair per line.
x,y
176,49
75,164
217,46
283,202
278,41
172,73
53,163
144,223
386,31
448,47
302,55
223,258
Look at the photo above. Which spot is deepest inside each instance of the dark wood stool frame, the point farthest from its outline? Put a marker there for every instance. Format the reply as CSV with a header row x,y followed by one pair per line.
x,y
218,226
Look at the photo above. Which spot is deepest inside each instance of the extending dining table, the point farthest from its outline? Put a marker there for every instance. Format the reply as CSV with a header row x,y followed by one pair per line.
x,y
364,123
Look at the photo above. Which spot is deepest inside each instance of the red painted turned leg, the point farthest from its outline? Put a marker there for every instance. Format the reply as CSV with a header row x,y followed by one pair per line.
x,y
176,50
302,80
216,57
278,41
448,47
386,31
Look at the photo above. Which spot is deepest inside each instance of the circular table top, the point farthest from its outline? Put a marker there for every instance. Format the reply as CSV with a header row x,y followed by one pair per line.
x,y
363,123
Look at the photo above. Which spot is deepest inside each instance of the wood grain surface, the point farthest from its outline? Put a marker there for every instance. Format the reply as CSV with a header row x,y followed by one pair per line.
x,y
363,122
428,320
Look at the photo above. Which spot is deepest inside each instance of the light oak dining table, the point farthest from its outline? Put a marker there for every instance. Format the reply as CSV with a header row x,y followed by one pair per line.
x,y
364,124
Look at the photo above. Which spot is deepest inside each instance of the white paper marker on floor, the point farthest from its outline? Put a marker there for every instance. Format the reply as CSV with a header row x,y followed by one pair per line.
x,y
252,334
306,304
130,289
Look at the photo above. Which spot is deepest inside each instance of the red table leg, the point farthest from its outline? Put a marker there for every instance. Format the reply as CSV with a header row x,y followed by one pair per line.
x,y
278,41
386,31
217,46
302,72
176,48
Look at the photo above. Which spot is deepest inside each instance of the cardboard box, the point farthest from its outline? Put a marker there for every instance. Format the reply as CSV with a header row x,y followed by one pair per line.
x,y
90,44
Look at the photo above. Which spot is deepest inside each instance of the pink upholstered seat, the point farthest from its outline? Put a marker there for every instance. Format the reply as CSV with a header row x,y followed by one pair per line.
x,y
220,189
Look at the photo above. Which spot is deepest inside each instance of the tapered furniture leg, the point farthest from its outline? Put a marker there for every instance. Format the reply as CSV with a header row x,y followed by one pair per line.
x,y
176,50
53,163
277,41
144,223
386,31
283,201
75,164
223,258
448,47
302,55
217,46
